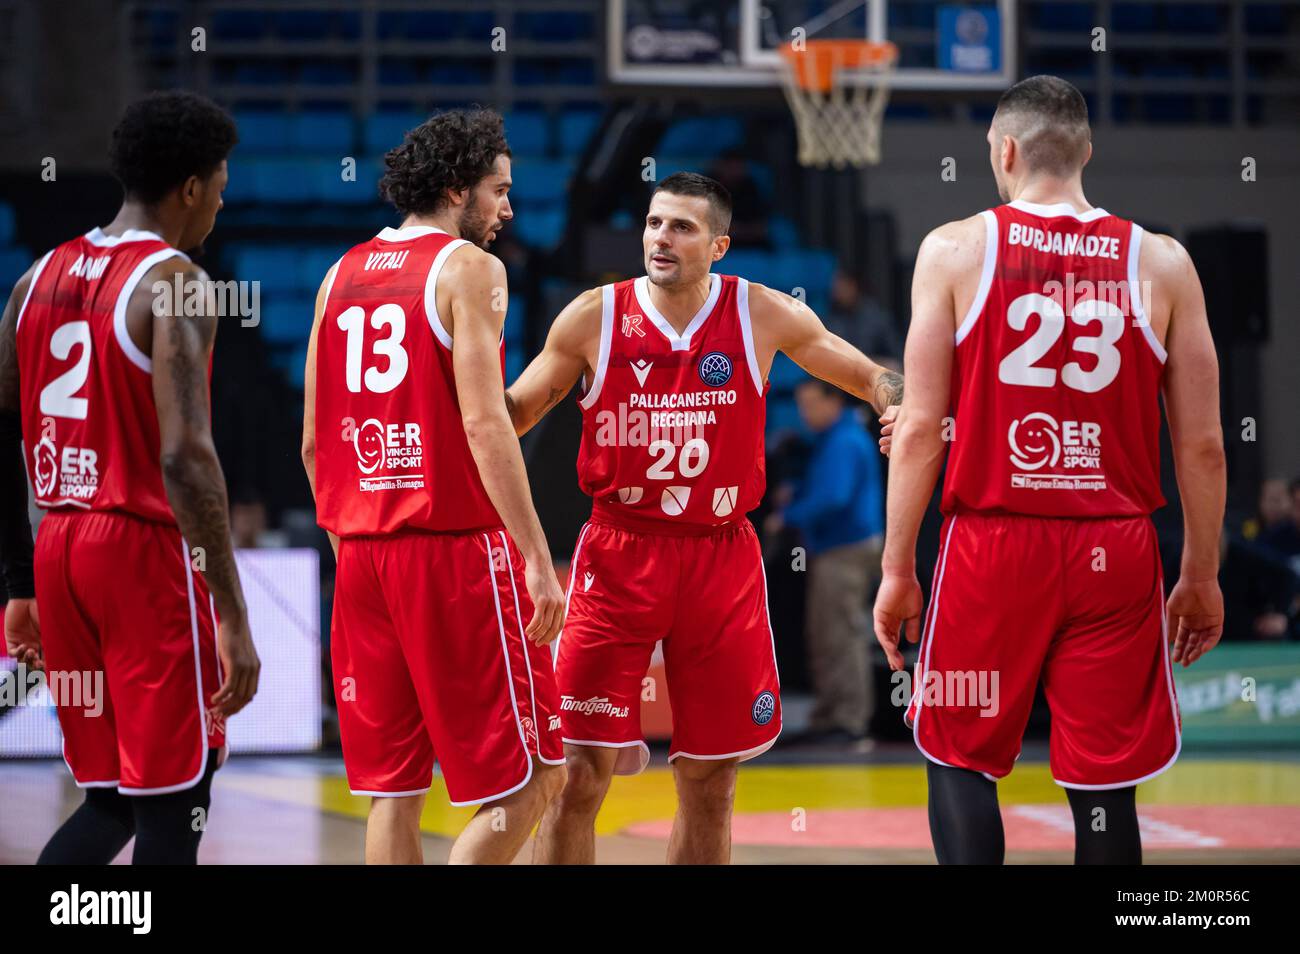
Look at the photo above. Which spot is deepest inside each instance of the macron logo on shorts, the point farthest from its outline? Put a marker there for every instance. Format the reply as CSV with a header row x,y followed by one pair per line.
x,y
593,706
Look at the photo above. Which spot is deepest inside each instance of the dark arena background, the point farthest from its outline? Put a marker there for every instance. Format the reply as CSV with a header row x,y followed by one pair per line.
x,y
1195,110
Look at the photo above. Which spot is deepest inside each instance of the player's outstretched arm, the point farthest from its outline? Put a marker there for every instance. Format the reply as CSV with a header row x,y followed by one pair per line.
x,y
473,279
309,397
191,472
918,444
1192,405
548,378
22,624
782,323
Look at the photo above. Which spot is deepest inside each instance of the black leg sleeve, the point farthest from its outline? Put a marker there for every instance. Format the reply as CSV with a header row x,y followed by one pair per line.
x,y
1105,826
965,821
94,833
168,828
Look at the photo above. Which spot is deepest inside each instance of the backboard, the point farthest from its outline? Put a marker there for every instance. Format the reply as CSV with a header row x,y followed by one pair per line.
x,y
943,46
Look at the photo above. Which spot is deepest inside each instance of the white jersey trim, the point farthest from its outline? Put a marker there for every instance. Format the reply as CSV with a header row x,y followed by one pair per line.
x,y
40,267
606,337
986,276
680,342
431,283
1058,210
747,332
1135,294
1173,702
97,237
510,685
528,664
409,233
923,658
134,354
198,678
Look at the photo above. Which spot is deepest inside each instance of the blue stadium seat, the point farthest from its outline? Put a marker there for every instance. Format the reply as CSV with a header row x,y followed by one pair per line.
x,y
422,25
397,73
1264,18
554,73
385,130
540,181
331,187
260,73
238,24
286,320
526,131
326,73
701,136
261,132
314,263
293,362
321,132
7,224
282,180
540,228
576,128
13,262
460,73
1134,17
275,266
555,26
1193,18
1063,16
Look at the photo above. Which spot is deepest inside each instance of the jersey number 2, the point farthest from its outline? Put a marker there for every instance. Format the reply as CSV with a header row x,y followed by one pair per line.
x,y
57,397
353,320
1020,366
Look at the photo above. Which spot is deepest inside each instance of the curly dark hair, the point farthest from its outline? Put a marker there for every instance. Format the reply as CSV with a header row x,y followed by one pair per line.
x,y
446,153
165,138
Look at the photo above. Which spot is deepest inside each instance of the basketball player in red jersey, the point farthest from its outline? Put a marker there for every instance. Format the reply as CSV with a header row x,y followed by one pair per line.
x,y
104,378
1043,334
674,368
440,621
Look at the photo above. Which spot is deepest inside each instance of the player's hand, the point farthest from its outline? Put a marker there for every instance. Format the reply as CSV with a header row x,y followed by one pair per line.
x,y
897,609
23,633
241,665
548,601
887,428
1195,619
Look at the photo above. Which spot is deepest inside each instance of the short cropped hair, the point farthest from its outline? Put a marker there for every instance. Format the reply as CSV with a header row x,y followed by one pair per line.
x,y
1049,117
164,138
446,153
694,184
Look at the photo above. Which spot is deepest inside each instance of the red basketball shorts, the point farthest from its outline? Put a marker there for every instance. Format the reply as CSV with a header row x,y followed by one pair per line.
x,y
430,661
129,636
1077,603
706,598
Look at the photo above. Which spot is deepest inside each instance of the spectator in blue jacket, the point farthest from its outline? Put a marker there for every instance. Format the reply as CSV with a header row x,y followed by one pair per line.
x,y
838,507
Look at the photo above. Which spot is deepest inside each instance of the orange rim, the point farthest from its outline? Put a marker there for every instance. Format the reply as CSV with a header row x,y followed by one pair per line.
x,y
817,63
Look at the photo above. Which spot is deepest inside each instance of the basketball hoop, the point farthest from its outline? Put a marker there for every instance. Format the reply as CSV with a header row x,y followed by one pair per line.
x,y
838,115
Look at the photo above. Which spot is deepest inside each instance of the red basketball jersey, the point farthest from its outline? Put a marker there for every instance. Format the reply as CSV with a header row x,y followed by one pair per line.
x,y
672,433
90,425
391,451
1056,374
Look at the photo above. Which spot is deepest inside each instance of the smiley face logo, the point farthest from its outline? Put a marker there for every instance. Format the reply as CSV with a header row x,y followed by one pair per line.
x,y
1035,441
368,442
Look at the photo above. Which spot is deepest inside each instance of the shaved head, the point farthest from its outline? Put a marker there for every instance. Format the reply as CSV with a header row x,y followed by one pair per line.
x,y
1048,118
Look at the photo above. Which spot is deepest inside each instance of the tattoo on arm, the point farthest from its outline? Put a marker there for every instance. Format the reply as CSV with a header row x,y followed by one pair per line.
x,y
195,483
551,400
511,409
889,389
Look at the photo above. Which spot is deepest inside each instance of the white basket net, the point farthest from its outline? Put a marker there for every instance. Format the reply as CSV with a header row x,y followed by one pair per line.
x,y
838,116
